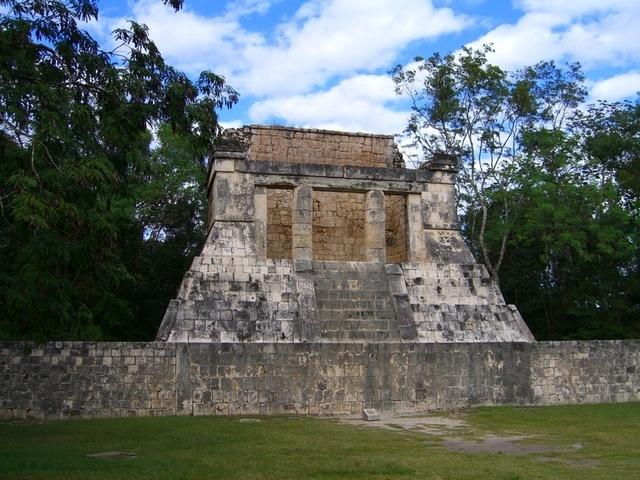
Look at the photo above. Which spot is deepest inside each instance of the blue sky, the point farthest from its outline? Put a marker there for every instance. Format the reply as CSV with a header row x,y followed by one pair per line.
x,y
324,63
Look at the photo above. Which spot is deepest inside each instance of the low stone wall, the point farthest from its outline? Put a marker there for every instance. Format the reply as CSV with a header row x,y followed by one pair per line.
x,y
66,379
70,379
585,372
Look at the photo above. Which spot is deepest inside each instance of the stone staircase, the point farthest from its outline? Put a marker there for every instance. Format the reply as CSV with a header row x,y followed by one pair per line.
x,y
354,302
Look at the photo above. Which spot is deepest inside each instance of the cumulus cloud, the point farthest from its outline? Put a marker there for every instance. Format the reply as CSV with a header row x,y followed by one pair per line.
x,y
618,87
336,37
590,31
193,42
321,41
365,103
288,70
239,8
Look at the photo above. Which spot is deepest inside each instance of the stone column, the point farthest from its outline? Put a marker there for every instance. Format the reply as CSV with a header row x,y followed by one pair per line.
x,y
261,221
444,242
439,197
231,208
374,235
302,240
416,247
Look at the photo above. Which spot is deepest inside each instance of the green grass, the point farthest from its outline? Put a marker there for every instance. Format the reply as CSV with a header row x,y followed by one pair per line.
x,y
282,447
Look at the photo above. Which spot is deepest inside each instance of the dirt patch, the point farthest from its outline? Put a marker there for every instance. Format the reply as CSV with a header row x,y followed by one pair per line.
x,y
457,435
428,425
494,444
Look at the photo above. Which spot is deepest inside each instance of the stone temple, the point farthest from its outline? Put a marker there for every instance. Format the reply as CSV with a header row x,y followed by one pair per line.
x,y
332,280
319,236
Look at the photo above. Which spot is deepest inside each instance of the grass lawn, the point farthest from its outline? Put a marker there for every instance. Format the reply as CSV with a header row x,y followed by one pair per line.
x,y
294,447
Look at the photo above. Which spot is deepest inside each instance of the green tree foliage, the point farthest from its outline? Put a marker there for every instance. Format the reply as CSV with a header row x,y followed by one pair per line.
x,y
79,186
170,195
463,105
548,193
572,260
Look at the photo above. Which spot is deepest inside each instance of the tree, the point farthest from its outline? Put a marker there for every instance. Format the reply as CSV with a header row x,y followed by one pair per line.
x,y
572,258
570,252
548,187
463,105
76,125
170,195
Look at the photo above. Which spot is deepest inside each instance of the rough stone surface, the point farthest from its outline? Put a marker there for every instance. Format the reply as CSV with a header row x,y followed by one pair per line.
x,y
68,379
338,226
83,379
585,372
395,208
279,222
292,145
370,415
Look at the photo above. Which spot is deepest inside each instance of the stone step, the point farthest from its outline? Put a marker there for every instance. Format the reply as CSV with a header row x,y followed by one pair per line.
x,y
348,294
357,267
353,314
372,336
354,302
351,325
372,303
352,284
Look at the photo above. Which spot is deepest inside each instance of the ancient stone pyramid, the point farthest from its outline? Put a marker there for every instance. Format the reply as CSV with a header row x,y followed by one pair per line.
x,y
323,236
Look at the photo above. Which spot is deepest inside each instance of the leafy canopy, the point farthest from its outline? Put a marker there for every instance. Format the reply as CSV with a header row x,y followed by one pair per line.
x,y
76,124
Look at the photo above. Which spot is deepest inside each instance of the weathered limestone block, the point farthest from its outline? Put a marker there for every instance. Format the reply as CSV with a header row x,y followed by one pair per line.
x,y
232,197
285,144
302,240
439,207
260,202
447,246
417,247
374,226
338,226
460,303
231,239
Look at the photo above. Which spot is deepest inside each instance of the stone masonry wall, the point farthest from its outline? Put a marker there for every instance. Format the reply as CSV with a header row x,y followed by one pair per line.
x,y
395,228
279,202
586,372
338,226
458,303
283,144
67,379
70,379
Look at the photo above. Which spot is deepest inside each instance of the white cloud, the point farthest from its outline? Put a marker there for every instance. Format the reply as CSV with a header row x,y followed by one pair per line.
x,y
231,123
321,41
194,43
579,7
617,88
189,41
359,103
239,8
590,31
338,37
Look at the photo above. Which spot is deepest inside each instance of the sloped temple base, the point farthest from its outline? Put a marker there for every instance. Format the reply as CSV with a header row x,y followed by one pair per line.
x,y
234,293
227,299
